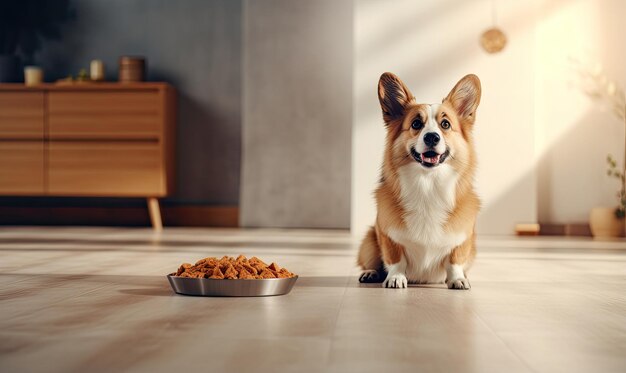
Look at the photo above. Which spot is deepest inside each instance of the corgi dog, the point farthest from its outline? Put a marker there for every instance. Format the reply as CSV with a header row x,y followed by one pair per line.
x,y
426,203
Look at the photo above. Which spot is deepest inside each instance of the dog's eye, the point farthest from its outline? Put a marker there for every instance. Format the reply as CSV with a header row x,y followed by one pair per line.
x,y
445,124
417,124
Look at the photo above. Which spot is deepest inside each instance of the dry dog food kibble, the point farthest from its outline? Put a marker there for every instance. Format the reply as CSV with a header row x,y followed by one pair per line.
x,y
231,268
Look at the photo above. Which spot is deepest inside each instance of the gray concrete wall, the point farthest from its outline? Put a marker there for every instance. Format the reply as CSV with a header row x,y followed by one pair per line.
x,y
290,62
297,112
193,44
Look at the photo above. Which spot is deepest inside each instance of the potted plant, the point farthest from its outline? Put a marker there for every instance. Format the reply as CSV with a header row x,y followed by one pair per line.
x,y
608,221
24,24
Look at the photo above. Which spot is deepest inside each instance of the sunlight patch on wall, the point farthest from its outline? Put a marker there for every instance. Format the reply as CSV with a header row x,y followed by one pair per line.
x,y
573,133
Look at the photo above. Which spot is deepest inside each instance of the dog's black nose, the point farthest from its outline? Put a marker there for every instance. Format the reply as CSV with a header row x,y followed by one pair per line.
x,y
431,139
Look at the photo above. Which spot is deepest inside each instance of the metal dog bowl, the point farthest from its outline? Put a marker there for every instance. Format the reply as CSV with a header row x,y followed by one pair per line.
x,y
209,287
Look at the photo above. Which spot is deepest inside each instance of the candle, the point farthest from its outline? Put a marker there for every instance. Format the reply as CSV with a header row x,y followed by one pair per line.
x,y
97,70
33,75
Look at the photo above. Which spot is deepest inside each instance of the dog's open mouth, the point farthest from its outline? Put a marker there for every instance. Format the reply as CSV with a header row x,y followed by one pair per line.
x,y
430,158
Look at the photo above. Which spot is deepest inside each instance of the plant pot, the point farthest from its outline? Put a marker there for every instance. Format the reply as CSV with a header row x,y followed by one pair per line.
x,y
604,223
10,69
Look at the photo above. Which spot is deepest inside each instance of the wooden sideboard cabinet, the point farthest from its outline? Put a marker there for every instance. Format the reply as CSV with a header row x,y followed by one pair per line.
x,y
91,139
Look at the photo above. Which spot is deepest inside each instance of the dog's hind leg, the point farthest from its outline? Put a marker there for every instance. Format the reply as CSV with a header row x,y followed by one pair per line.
x,y
370,259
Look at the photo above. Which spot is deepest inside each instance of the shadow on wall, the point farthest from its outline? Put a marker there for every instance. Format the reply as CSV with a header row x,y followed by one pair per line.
x,y
396,31
572,175
565,174
199,131
395,39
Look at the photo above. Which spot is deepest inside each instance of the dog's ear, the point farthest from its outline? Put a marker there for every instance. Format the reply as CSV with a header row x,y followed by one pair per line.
x,y
465,97
393,95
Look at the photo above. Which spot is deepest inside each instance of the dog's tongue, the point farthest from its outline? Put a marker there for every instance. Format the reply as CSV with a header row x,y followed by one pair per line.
x,y
433,160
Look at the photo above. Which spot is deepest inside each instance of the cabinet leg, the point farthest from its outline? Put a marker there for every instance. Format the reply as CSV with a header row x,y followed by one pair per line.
x,y
155,213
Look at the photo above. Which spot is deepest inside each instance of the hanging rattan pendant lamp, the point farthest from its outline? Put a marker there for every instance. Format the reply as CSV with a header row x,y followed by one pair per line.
x,y
493,40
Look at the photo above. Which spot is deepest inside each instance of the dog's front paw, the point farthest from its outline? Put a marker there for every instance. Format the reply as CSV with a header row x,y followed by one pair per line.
x,y
459,284
397,281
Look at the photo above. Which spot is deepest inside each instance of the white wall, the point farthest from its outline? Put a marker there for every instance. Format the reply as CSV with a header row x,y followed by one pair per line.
x,y
542,143
575,134
431,44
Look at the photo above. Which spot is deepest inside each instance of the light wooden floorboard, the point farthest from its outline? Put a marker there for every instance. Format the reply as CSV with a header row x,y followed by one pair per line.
x,y
96,299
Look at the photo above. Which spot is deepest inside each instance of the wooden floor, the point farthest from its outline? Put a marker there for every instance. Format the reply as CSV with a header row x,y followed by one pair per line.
x,y
97,300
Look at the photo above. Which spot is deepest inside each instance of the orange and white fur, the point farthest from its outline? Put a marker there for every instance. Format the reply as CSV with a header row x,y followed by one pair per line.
x,y
426,203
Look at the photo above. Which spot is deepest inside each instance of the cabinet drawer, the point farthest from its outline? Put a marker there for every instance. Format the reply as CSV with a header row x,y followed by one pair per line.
x,y
104,126
105,169
104,103
21,115
21,167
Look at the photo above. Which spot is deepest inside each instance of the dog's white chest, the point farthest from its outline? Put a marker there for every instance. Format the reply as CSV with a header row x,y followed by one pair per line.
x,y
427,199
